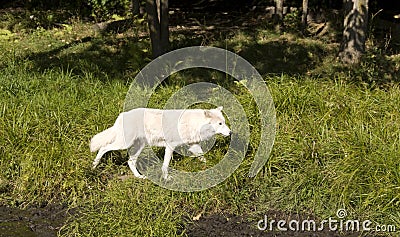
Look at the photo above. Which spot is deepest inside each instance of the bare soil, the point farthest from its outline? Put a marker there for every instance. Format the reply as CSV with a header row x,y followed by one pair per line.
x,y
32,222
234,226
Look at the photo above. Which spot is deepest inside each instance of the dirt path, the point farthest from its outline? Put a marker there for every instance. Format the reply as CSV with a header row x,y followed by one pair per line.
x,y
236,226
32,222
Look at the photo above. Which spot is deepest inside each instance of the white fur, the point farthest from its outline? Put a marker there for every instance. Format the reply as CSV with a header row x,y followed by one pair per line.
x,y
164,128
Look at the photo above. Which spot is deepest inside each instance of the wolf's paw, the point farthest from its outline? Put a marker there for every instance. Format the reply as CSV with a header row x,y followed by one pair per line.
x,y
167,177
140,176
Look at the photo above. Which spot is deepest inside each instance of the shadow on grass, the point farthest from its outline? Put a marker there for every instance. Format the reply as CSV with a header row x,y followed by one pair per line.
x,y
282,56
375,70
16,18
277,56
105,51
104,58
120,56
116,55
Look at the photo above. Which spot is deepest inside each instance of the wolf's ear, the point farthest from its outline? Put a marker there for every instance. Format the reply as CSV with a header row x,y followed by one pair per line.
x,y
208,113
220,108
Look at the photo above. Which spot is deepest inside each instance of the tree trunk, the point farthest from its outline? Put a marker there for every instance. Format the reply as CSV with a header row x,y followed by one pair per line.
x,y
135,7
355,31
304,14
157,17
278,16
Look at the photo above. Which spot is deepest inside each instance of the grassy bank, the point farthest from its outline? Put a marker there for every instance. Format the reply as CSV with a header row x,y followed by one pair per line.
x,y
337,143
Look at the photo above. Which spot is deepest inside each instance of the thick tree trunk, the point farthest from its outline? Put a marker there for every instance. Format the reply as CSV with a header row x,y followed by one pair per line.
x,y
304,14
278,14
135,7
157,17
355,31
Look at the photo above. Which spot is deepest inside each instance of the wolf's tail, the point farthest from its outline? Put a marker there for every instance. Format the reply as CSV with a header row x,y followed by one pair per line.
x,y
101,139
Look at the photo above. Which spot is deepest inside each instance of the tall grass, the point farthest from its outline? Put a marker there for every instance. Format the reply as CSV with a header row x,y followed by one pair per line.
x,y
46,121
337,145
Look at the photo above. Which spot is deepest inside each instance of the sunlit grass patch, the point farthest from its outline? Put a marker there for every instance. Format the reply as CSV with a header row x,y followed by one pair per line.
x,y
337,141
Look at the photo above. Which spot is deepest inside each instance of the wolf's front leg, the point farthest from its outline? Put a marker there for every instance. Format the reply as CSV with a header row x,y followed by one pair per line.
x,y
167,159
197,151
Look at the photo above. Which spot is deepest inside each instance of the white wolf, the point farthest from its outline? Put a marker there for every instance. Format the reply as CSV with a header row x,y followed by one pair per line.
x,y
164,128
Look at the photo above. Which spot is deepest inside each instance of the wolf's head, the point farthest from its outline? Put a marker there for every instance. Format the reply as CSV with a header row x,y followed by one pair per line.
x,y
217,122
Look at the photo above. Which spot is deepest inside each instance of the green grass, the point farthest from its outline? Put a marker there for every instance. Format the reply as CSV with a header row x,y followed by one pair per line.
x,y
337,143
337,147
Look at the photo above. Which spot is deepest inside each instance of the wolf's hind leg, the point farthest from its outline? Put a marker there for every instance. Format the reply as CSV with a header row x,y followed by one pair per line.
x,y
134,152
102,151
116,145
167,159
